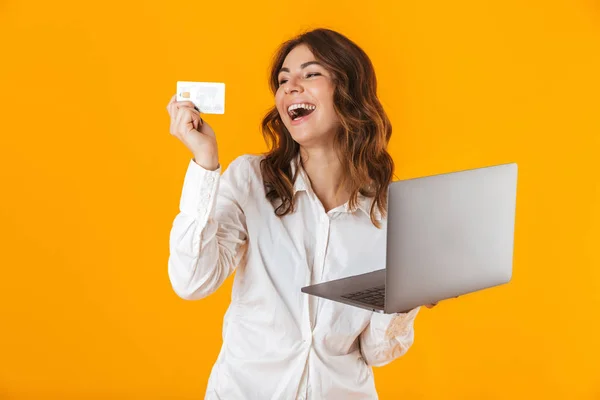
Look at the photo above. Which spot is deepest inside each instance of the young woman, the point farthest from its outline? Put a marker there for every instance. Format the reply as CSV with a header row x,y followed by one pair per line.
x,y
312,209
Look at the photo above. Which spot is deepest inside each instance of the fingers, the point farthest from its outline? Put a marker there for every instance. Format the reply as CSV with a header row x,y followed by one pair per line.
x,y
185,119
189,126
186,103
172,110
171,102
180,116
174,105
185,116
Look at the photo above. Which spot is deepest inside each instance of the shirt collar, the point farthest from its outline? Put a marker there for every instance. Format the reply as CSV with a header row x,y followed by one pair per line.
x,y
302,183
364,204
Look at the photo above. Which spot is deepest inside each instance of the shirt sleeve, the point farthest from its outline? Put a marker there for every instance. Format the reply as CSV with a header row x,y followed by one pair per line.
x,y
208,237
387,337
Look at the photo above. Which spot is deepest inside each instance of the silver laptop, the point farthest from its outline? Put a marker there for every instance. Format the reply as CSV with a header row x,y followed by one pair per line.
x,y
447,235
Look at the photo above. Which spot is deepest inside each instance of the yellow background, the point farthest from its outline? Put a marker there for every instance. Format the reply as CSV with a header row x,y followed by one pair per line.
x,y
91,180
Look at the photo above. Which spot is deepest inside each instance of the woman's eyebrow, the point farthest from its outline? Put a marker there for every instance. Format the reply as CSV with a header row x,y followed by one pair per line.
x,y
306,64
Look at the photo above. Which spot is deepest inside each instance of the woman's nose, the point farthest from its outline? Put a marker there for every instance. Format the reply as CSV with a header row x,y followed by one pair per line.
x,y
292,85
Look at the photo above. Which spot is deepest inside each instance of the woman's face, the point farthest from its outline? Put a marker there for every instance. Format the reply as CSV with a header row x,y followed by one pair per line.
x,y
307,87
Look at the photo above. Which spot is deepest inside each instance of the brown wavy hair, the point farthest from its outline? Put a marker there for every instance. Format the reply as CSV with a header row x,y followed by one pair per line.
x,y
362,138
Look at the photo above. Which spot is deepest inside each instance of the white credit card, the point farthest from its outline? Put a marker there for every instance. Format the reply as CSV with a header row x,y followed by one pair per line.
x,y
209,97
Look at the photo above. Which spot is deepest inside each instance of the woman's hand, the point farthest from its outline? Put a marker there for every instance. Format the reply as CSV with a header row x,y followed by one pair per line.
x,y
436,303
194,133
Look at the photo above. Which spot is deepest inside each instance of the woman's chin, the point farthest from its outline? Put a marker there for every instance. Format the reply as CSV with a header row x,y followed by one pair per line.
x,y
306,135
309,140
301,135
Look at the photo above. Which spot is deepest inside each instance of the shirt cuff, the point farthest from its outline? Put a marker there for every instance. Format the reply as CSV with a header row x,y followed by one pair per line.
x,y
199,189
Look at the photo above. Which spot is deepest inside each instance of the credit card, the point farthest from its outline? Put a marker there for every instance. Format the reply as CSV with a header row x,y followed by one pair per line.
x,y
209,97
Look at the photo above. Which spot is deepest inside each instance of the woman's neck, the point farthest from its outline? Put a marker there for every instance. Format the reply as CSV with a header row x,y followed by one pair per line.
x,y
326,175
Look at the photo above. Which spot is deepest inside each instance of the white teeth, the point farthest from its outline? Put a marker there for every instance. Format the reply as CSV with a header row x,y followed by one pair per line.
x,y
301,105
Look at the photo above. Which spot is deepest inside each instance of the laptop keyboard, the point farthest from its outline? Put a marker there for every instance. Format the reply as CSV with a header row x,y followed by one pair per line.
x,y
373,296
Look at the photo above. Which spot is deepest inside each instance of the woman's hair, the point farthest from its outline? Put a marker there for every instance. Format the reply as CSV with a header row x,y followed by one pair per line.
x,y
361,139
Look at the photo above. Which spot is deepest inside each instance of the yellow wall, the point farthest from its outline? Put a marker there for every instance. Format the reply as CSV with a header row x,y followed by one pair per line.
x,y
91,180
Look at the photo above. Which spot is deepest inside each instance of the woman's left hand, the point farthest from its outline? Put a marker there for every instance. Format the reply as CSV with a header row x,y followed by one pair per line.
x,y
435,304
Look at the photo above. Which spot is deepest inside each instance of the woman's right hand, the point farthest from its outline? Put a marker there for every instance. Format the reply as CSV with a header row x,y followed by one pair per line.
x,y
195,133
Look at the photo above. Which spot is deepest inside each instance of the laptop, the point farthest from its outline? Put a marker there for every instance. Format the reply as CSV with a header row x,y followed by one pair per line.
x,y
447,235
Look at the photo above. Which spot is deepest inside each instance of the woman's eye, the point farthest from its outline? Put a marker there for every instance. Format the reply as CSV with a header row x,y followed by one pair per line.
x,y
281,82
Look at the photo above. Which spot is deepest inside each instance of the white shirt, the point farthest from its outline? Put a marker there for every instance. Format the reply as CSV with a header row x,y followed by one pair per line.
x,y
280,343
